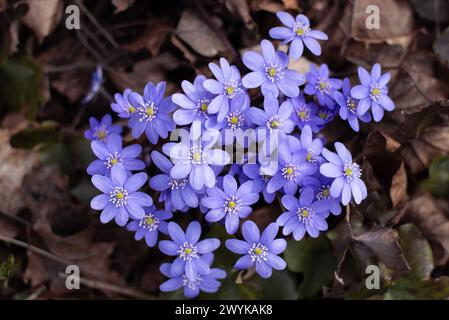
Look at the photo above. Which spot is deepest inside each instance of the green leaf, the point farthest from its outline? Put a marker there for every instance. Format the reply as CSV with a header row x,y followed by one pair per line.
x,y
20,84
280,286
412,288
416,250
7,269
31,137
438,181
312,257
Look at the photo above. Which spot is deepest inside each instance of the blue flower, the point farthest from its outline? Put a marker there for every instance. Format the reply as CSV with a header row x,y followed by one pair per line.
x,y
120,198
231,202
194,105
111,153
346,173
194,162
101,130
288,172
175,193
298,32
227,86
274,120
252,171
325,115
321,186
373,92
269,71
191,288
304,214
122,106
320,85
150,225
152,115
188,250
259,250
311,148
305,113
348,107
95,85
235,123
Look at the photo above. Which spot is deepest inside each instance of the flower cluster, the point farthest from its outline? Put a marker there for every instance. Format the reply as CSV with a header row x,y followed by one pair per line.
x,y
225,153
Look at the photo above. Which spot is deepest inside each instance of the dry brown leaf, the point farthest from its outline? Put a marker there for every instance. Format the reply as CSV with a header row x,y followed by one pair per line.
x,y
43,16
198,35
240,8
122,5
291,4
398,189
152,38
431,216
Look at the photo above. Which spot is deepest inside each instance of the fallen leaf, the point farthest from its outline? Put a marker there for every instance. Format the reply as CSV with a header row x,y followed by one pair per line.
x,y
433,10
398,189
43,16
198,35
441,47
240,8
152,38
431,216
291,4
122,5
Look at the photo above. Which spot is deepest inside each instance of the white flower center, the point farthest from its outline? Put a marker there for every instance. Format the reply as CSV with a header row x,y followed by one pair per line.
x,y
231,88
258,252
149,222
324,193
351,170
351,104
232,205
188,252
274,123
305,214
101,133
301,29
274,72
113,159
202,107
147,112
303,113
375,92
235,120
119,196
177,183
290,171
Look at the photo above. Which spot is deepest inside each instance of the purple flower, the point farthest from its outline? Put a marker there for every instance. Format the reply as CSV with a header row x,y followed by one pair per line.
x,y
94,86
152,115
274,119
101,130
320,85
150,225
227,86
202,282
111,153
373,92
325,115
232,203
311,148
175,193
290,170
188,250
304,214
194,162
120,198
298,32
194,105
348,107
122,106
269,71
346,173
252,171
260,250
235,123
321,186
305,113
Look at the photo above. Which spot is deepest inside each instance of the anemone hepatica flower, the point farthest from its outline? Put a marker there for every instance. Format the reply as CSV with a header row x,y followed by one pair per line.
x,y
150,225
297,32
259,250
188,250
269,71
320,85
232,203
120,198
311,148
101,130
321,186
347,173
252,171
373,92
303,215
111,153
152,114
235,122
274,119
176,193
226,85
194,105
291,169
95,85
348,107
122,106
202,282
194,160
305,113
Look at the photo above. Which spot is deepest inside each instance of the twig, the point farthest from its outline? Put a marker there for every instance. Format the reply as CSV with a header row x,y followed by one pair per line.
x,y
37,293
95,284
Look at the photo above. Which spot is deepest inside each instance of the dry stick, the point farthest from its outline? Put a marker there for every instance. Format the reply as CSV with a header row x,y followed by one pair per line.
x,y
37,293
88,282
95,284
97,24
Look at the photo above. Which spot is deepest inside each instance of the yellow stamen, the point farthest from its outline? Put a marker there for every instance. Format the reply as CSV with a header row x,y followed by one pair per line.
x,y
304,213
101,134
302,115
375,91
187,251
348,171
150,111
309,156
131,109
120,195
289,171
204,107
300,32
323,85
258,251
114,161
271,72
197,156
275,124
149,221
234,120
232,204
229,90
